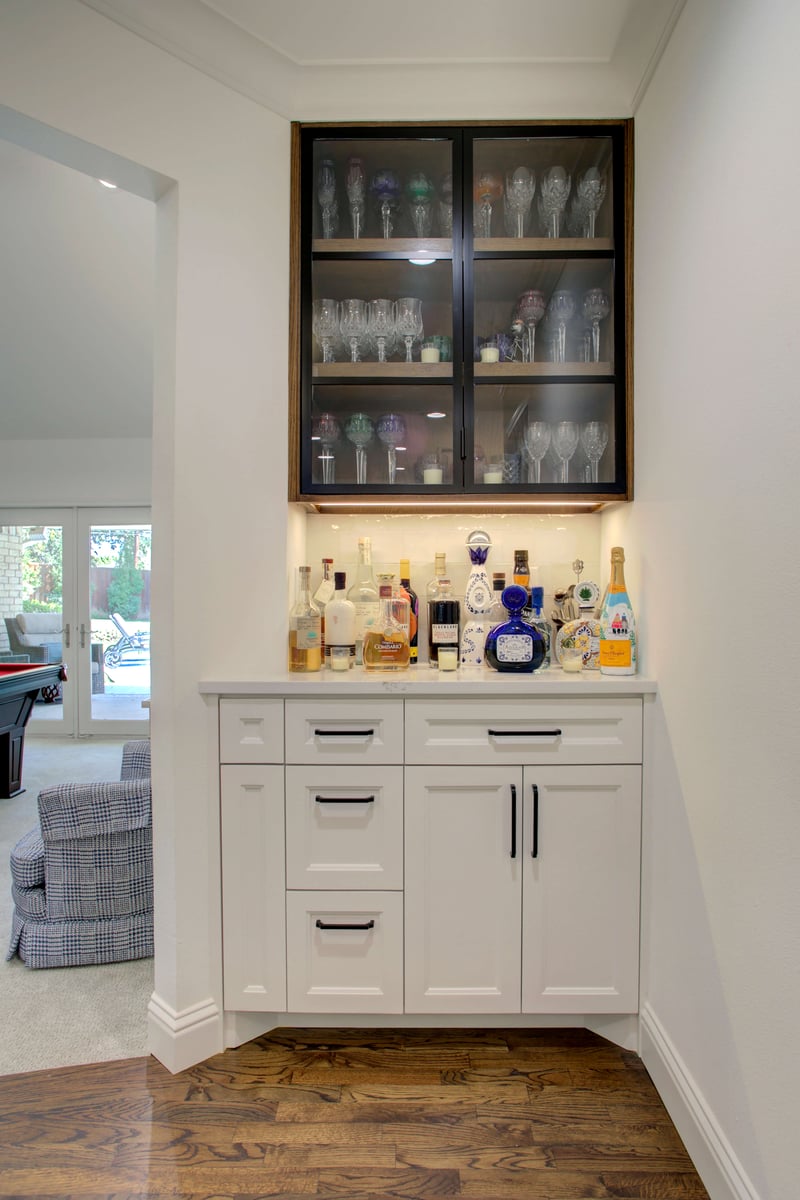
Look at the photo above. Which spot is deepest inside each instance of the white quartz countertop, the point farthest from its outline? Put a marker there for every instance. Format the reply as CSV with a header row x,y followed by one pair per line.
x,y
423,681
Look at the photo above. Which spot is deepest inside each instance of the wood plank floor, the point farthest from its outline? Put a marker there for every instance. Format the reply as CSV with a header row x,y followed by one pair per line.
x,y
362,1114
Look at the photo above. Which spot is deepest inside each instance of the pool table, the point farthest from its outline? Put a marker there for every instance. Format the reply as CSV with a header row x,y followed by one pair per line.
x,y
20,684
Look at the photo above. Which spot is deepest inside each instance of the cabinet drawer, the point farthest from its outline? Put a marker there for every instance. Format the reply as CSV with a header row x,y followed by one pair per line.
x,y
344,827
357,969
250,730
475,731
344,731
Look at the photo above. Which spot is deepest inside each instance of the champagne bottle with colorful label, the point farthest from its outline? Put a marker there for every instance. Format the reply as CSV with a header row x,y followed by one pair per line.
x,y
618,646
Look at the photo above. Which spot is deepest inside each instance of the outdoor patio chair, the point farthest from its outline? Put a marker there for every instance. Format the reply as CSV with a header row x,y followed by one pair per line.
x,y
82,880
130,643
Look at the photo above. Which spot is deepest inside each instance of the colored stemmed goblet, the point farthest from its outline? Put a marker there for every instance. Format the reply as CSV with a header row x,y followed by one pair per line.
x,y
562,310
325,430
355,184
530,309
596,307
419,194
488,188
359,430
391,429
326,195
385,189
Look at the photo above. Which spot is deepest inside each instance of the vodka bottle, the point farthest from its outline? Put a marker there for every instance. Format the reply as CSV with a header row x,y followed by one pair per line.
x,y
364,595
618,648
340,627
305,627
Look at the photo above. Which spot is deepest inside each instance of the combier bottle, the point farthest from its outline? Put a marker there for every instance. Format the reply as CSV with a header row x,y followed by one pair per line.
x,y
618,649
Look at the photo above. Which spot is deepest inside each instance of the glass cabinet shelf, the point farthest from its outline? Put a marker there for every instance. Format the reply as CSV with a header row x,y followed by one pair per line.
x,y
460,297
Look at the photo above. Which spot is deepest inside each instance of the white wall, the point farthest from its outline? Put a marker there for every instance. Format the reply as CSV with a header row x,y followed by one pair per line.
x,y
57,471
712,554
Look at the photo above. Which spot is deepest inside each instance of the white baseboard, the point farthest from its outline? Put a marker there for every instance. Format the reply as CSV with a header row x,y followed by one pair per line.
x,y
710,1151
181,1039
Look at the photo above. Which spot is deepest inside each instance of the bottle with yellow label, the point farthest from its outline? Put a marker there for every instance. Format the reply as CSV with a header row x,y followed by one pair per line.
x,y
618,648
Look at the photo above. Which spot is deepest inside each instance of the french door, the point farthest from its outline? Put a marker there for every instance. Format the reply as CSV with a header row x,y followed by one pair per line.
x,y
75,586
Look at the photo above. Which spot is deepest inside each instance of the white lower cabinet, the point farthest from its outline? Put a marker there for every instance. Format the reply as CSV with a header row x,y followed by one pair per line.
x,y
431,855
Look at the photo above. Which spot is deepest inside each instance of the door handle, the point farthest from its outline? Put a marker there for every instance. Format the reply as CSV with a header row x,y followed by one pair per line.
x,y
535,843
83,636
66,631
513,821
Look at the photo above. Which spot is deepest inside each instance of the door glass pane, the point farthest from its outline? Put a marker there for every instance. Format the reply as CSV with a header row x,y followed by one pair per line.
x,y
31,603
119,591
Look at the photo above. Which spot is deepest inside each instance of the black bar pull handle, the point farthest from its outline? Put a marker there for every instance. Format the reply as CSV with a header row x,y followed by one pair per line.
x,y
325,925
535,845
344,732
513,821
345,799
524,732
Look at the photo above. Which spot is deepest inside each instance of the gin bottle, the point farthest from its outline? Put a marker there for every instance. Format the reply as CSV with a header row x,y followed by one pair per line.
x,y
618,648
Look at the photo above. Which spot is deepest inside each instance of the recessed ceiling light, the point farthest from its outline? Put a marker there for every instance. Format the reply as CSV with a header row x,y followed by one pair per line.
x,y
106,183
435,416
422,262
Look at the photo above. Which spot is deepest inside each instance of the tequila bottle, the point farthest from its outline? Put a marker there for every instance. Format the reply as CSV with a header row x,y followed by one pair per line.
x,y
515,645
305,627
477,601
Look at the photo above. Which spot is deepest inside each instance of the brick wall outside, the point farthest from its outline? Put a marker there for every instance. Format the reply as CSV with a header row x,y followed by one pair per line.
x,y
10,577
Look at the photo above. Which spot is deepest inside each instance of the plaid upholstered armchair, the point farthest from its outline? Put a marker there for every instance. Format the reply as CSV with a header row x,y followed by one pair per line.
x,y
82,881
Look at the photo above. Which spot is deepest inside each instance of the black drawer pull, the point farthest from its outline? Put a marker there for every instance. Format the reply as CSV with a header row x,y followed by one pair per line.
x,y
513,821
366,925
524,732
344,732
535,846
345,799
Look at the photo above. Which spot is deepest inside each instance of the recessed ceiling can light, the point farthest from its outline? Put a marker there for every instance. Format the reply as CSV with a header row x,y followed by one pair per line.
x,y
422,262
106,183
435,416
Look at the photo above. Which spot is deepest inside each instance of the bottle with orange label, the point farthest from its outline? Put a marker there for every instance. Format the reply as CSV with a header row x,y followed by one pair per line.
x,y
413,602
618,643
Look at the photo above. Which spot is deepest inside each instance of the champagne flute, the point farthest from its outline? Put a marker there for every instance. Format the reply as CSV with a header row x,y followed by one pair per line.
x,y
355,184
325,430
594,439
326,195
353,318
565,443
359,430
408,322
536,440
596,307
325,325
391,429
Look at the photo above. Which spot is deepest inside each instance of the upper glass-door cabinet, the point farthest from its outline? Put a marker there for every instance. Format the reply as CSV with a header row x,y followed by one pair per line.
x,y
459,328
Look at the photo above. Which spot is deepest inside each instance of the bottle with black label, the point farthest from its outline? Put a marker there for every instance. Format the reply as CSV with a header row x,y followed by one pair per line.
x,y
444,621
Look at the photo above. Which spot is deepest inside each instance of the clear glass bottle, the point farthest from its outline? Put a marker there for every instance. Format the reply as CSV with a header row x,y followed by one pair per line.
x,y
497,612
539,621
444,621
386,642
439,570
364,595
413,601
618,645
340,626
324,593
515,645
305,627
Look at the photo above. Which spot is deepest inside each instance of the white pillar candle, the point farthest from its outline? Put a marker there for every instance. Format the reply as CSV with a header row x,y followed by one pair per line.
x,y
429,354
432,475
448,658
490,354
492,476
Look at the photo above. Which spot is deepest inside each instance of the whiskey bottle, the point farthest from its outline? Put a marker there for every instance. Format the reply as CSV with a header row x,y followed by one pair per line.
x,y
386,642
514,645
413,601
522,577
305,627
324,593
618,648
444,621
364,595
340,626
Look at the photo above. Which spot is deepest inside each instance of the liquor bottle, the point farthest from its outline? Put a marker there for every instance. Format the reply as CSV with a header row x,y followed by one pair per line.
x,y
522,577
364,595
618,649
340,627
444,621
477,601
515,645
386,642
305,627
324,593
582,631
413,601
539,621
497,612
439,569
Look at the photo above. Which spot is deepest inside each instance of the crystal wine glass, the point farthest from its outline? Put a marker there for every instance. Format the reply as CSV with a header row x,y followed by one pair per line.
x,y
562,310
408,322
380,328
391,429
565,443
591,192
385,189
536,440
487,189
520,187
326,195
325,430
554,189
325,325
353,319
530,309
419,194
446,206
359,430
596,307
355,184
594,439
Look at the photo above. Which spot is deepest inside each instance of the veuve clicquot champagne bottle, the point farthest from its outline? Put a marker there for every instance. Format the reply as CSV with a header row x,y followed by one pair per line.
x,y
618,648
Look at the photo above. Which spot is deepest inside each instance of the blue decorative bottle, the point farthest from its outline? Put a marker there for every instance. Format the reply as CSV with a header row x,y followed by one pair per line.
x,y
515,645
